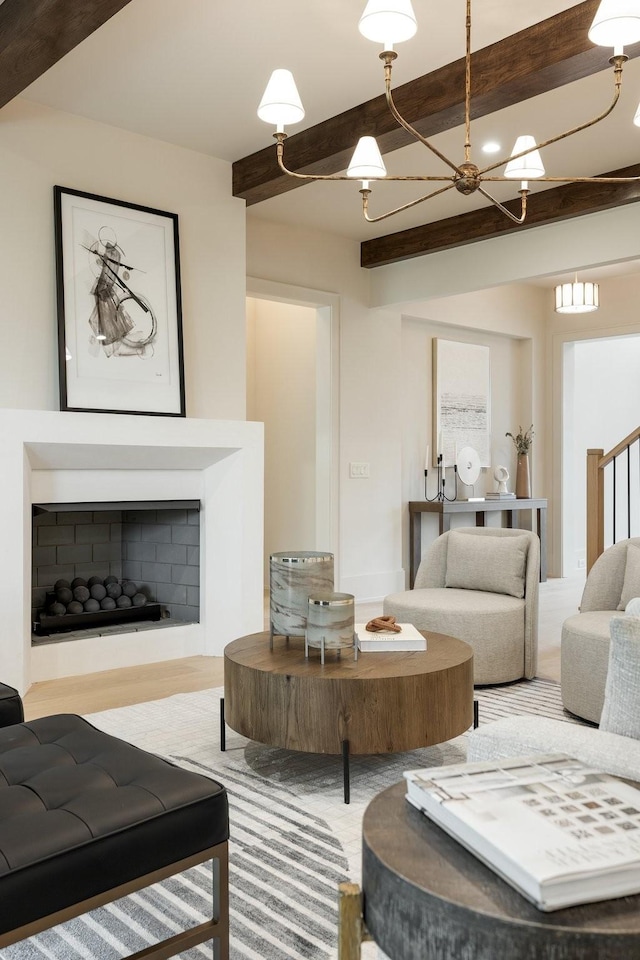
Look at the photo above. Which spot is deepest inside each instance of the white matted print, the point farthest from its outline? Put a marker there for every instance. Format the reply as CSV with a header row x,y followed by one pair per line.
x,y
461,399
119,308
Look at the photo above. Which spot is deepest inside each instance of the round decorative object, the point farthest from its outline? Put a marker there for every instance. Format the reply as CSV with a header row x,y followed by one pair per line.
x,y
57,609
138,600
468,465
98,591
78,582
123,602
59,584
113,589
330,620
293,577
94,581
64,595
91,605
501,475
75,607
107,603
110,579
81,593
129,588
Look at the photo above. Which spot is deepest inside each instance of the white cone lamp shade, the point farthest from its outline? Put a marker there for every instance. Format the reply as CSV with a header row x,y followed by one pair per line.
x,y
366,162
577,297
388,22
616,23
527,167
281,103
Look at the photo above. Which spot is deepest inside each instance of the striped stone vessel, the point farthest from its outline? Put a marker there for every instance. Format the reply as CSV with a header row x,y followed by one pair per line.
x,y
293,577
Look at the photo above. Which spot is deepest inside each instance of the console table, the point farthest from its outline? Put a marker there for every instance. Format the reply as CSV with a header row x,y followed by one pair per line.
x,y
480,508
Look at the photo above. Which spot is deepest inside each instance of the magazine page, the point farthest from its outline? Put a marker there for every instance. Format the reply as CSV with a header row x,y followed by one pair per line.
x,y
553,817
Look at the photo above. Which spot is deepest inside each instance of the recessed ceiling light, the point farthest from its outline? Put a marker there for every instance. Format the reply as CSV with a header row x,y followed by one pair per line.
x,y
490,147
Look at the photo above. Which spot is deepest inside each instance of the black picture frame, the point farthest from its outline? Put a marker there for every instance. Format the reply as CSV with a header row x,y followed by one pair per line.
x,y
120,345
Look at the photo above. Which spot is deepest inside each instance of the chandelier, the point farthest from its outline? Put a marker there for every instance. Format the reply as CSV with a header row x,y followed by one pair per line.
x,y
616,23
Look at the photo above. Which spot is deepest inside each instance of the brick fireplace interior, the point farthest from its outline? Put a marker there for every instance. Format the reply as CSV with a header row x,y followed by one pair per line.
x,y
154,545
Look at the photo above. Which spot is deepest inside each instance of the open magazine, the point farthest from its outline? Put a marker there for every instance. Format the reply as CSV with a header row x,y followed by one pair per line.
x,y
559,831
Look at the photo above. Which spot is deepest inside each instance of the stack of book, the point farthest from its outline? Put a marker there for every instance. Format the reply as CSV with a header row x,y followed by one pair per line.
x,y
557,830
409,638
500,496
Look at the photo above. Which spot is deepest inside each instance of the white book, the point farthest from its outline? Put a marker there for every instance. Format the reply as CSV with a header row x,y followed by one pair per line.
x,y
559,831
409,638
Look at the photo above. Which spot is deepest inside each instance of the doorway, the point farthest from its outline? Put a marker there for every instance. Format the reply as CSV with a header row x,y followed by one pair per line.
x,y
601,399
292,387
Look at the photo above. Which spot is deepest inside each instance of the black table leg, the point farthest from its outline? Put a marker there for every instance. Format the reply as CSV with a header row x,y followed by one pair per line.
x,y
345,771
476,706
223,737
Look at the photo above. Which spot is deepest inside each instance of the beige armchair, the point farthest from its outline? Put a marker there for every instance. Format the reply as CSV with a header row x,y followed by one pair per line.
x,y
584,653
480,584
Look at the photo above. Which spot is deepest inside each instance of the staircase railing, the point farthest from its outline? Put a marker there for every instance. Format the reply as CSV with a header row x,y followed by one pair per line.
x,y
613,480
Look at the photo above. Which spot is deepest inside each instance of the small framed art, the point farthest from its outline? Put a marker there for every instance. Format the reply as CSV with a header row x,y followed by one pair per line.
x,y
119,306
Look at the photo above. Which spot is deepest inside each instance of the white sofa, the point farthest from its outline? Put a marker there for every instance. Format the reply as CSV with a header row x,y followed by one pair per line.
x,y
613,748
480,584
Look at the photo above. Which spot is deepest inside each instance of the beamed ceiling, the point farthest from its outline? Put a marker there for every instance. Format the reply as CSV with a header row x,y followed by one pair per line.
x,y
191,72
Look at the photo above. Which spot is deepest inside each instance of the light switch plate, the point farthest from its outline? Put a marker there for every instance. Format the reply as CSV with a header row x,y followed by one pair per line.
x,y
358,470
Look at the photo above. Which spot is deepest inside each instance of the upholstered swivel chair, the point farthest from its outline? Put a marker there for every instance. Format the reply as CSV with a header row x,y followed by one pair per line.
x,y
613,748
612,582
480,584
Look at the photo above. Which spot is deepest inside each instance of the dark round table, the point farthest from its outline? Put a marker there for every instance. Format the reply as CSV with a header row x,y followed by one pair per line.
x,y
427,898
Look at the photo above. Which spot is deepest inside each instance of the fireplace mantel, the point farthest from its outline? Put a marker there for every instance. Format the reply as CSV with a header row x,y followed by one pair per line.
x,y
72,457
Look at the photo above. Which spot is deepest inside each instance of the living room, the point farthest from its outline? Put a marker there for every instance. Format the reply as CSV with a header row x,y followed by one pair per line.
x,y
382,320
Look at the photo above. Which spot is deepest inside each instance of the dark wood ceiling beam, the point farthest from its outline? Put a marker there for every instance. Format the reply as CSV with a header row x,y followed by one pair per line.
x,y
543,57
35,34
547,206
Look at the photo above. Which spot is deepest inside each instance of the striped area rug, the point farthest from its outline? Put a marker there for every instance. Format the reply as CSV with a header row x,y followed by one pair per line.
x,y
293,839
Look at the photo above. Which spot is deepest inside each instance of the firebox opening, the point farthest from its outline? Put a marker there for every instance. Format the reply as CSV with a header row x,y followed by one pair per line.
x,y
103,568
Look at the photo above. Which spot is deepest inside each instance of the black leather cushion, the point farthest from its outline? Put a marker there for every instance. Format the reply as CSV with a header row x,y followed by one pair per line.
x,y
10,706
82,812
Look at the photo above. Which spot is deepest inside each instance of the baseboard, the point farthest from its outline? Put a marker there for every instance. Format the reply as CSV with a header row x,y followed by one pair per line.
x,y
370,587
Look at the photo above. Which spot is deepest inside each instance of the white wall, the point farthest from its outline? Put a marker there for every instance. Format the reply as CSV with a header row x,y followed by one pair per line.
x,y
40,147
281,392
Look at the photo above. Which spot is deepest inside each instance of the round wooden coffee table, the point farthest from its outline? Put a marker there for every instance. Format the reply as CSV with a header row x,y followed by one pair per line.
x,y
379,703
425,896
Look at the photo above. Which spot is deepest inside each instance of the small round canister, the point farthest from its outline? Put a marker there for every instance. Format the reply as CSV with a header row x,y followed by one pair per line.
x,y
330,620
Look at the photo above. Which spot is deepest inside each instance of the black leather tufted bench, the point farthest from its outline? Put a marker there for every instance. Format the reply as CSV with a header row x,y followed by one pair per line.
x,y
86,818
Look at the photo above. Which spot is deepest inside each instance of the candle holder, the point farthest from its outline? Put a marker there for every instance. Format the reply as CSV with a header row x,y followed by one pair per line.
x,y
441,493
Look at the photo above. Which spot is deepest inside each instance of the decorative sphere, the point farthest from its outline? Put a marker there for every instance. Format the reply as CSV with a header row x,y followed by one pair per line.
x,y
108,603
92,581
78,582
59,584
75,607
97,591
123,602
64,595
129,588
81,593
110,579
91,605
114,589
139,600
57,610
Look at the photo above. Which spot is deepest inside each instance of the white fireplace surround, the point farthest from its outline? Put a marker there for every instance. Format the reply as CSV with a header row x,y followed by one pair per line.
x,y
71,457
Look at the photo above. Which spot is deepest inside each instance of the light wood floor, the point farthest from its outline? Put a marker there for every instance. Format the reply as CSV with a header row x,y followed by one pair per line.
x,y
559,599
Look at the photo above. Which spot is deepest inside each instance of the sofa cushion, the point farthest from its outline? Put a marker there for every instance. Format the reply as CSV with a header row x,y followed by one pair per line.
x,y
631,585
620,713
490,564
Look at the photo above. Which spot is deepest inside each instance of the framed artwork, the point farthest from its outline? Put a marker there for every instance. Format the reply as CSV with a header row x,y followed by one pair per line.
x,y
461,399
119,306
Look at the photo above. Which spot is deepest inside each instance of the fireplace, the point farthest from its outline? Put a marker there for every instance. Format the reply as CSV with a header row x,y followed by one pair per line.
x,y
100,567
69,459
